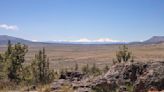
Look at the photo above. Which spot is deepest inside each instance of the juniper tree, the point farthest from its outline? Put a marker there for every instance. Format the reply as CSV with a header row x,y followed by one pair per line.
x,y
2,74
27,75
9,49
6,58
15,57
40,68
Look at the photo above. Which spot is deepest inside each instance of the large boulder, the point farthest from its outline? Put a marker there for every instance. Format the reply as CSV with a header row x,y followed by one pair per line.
x,y
153,77
139,76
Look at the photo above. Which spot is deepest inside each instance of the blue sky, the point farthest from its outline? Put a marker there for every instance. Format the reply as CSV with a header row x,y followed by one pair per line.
x,y
48,20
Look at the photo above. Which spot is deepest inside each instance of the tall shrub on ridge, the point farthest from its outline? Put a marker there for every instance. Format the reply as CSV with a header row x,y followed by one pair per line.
x,y
14,59
40,68
123,55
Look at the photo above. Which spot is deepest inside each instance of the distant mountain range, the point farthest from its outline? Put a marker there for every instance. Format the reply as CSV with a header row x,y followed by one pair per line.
x,y
4,39
155,40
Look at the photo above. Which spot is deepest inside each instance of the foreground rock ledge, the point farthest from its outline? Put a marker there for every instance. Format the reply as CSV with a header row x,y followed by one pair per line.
x,y
142,77
125,77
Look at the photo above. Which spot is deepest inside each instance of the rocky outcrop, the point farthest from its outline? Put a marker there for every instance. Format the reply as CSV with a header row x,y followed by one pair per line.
x,y
125,77
153,77
140,76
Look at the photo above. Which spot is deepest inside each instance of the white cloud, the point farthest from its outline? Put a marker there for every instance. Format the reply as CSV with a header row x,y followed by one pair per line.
x,y
89,40
107,40
82,40
9,27
35,40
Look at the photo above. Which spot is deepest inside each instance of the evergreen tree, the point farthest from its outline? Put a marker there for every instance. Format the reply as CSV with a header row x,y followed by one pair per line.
x,y
15,57
5,60
9,49
1,67
40,68
27,75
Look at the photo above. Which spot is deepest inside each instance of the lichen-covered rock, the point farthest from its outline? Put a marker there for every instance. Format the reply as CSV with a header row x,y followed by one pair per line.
x,y
153,77
140,75
124,77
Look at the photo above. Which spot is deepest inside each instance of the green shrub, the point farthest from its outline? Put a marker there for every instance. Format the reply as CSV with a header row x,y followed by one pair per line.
x,y
14,71
40,68
123,55
104,88
106,68
85,69
2,67
15,57
95,70
130,87
76,67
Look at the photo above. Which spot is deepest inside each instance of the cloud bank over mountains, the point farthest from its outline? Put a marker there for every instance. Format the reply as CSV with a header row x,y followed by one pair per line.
x,y
86,40
97,40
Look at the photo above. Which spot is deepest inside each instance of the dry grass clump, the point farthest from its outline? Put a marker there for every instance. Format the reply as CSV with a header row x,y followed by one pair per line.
x,y
66,88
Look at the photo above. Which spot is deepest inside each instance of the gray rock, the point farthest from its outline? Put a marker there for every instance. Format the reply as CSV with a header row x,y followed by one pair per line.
x,y
72,76
139,75
153,77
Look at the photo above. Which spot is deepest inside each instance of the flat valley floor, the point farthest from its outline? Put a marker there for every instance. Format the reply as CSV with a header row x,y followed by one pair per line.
x,y
62,56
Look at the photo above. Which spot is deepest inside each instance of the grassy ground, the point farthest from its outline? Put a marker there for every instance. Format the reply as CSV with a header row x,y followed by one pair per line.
x,y
65,56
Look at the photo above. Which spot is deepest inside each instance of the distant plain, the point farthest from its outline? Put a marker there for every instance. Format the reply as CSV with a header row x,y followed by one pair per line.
x,y
62,56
